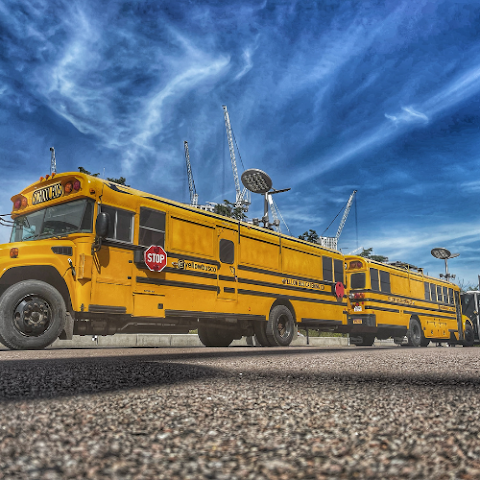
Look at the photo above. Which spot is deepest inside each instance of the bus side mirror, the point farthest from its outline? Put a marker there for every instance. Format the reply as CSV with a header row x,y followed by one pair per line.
x,y
102,224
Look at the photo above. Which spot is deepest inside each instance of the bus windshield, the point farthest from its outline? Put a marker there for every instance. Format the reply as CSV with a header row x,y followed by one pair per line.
x,y
57,220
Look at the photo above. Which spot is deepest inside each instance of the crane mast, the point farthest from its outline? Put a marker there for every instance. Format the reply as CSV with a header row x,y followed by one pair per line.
x,y
241,197
332,242
191,183
345,214
53,162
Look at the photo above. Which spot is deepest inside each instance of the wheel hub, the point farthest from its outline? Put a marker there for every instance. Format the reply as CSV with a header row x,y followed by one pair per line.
x,y
32,316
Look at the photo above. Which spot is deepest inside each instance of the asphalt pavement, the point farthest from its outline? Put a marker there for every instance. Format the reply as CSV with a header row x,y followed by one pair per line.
x,y
240,413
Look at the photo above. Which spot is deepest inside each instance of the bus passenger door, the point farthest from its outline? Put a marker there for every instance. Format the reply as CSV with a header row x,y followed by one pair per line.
x,y
227,270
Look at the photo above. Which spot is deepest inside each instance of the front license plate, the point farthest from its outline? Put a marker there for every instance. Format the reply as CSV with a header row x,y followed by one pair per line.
x,y
357,308
357,321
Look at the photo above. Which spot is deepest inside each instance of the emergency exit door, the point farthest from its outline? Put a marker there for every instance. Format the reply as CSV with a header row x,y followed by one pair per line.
x,y
227,270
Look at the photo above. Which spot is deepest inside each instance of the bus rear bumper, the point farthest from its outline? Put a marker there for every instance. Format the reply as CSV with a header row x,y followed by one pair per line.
x,y
362,323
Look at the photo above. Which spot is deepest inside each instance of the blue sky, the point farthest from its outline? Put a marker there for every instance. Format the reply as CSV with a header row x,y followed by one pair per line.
x,y
327,97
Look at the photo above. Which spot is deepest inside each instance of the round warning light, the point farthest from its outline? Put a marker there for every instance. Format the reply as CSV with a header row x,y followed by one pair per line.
x,y
17,204
76,185
68,187
24,202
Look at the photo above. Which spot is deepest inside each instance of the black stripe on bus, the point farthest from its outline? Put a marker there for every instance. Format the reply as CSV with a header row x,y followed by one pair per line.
x,y
401,296
284,287
226,279
381,309
171,283
256,293
193,273
106,309
222,316
285,275
430,315
228,290
404,305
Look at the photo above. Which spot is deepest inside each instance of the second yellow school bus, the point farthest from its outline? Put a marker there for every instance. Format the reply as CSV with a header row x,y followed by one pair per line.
x,y
398,300
76,265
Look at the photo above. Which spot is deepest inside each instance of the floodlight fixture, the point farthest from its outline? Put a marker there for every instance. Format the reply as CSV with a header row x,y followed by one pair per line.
x,y
444,254
257,181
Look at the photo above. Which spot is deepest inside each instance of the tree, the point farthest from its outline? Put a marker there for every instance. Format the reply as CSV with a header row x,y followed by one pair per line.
x,y
228,209
367,253
82,170
310,236
465,286
120,181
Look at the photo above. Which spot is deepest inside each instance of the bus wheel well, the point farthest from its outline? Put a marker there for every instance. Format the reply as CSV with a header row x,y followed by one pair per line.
x,y
44,273
287,303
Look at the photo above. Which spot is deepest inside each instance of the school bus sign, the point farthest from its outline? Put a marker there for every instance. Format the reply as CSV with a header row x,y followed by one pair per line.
x,y
155,258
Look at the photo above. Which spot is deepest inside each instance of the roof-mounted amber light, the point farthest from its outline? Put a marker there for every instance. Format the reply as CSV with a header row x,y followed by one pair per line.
x,y
68,187
24,202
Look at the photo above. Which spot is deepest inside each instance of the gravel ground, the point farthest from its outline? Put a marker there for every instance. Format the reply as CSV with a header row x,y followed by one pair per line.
x,y
241,413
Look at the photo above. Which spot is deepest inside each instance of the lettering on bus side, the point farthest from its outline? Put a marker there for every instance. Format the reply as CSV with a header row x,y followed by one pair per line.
x,y
404,301
188,265
302,283
46,194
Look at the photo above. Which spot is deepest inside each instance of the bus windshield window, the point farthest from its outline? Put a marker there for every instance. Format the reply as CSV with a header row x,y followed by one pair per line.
x,y
56,220
357,280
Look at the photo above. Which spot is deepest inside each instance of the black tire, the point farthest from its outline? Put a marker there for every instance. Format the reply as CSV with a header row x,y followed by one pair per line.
x,y
212,337
281,328
469,336
367,340
260,329
415,335
32,315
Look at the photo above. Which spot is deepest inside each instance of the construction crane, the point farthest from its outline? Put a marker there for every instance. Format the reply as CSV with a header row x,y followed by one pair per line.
x,y
332,242
53,162
191,183
242,197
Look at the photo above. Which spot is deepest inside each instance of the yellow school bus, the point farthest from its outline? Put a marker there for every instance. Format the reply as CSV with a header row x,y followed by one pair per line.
x,y
82,255
398,300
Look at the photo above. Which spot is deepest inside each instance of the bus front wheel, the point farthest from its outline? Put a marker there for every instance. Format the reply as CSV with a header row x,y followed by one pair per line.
x,y
32,315
469,336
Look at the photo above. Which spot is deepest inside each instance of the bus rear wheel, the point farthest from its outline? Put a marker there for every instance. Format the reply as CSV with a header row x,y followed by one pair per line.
x,y
281,328
415,335
260,329
32,315
211,337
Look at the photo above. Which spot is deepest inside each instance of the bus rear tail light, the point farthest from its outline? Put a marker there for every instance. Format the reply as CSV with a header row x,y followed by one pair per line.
x,y
13,252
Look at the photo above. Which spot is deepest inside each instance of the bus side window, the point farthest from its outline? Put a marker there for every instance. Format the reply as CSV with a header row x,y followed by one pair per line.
x,y
445,295
374,278
427,290
227,251
327,268
439,294
385,282
338,270
152,227
120,225
450,295
433,292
